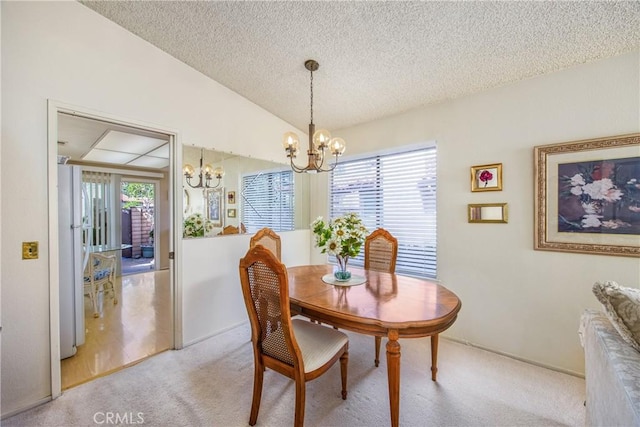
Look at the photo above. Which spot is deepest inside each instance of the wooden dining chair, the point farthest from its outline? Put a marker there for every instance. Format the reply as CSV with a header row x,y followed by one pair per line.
x,y
296,348
269,239
229,229
380,253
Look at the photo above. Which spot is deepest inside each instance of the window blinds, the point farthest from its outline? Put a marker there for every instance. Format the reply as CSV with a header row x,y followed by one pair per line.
x,y
268,201
396,192
99,207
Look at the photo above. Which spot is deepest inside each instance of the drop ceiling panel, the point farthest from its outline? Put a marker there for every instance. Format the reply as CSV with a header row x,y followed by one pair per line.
x,y
128,143
150,162
104,156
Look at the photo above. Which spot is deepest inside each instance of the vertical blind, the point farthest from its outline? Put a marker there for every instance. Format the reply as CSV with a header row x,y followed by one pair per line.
x,y
396,192
98,207
268,201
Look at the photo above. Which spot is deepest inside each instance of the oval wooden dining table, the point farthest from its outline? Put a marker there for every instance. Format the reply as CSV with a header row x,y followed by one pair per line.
x,y
385,305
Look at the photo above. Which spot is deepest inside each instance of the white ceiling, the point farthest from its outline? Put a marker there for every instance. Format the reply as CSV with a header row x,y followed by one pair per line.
x,y
88,140
376,58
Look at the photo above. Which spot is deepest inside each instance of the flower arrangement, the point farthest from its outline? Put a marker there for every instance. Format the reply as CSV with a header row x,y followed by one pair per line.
x,y
196,225
343,237
601,195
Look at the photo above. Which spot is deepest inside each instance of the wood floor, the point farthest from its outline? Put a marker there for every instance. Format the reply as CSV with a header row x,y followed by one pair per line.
x,y
137,327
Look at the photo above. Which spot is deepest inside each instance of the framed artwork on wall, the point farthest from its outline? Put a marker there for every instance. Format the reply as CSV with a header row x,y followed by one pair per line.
x,y
231,197
215,206
231,213
587,196
486,177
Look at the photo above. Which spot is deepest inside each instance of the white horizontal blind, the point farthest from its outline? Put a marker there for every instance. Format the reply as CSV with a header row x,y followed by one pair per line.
x,y
396,192
268,201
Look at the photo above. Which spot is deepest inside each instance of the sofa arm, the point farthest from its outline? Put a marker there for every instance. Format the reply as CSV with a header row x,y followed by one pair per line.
x,y
612,373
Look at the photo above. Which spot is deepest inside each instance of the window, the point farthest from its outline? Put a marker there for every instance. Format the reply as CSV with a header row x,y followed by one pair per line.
x,y
395,191
268,201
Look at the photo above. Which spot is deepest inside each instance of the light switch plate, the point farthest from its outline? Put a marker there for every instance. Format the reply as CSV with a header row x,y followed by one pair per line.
x,y
29,250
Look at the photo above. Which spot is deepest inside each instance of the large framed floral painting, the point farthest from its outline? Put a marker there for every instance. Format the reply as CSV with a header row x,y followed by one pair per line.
x,y
588,196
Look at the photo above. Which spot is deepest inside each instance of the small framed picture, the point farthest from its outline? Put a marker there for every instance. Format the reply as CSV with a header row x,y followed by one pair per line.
x,y
486,177
215,206
231,197
231,213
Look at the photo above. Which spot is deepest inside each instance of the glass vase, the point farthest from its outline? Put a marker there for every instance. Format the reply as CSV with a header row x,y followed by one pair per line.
x,y
342,274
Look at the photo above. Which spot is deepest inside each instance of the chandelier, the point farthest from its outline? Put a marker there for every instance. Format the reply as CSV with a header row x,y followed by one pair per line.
x,y
319,141
205,175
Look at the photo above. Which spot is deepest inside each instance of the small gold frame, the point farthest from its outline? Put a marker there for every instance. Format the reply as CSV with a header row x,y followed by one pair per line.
x,y
488,213
486,177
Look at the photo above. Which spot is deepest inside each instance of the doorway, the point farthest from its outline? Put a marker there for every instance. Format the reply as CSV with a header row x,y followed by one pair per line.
x,y
133,292
138,200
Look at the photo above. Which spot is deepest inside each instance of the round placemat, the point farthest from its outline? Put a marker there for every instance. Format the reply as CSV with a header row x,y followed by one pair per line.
x,y
355,280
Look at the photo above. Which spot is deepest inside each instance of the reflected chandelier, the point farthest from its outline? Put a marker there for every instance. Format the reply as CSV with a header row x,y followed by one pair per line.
x,y
205,175
319,141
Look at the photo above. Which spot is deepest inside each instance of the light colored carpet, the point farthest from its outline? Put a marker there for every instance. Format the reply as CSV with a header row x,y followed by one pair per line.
x,y
210,384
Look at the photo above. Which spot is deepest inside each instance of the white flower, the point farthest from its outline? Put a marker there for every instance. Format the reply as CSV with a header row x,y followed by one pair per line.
x,y
333,247
590,208
615,223
576,191
577,179
591,221
602,189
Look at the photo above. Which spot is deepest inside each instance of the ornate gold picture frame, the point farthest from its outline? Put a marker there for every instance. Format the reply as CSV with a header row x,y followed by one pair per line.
x,y
587,196
488,213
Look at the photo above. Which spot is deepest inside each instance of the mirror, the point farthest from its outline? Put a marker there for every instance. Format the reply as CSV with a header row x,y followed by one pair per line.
x,y
488,212
223,205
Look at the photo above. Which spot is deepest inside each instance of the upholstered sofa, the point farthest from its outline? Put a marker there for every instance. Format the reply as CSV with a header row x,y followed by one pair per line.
x,y
612,372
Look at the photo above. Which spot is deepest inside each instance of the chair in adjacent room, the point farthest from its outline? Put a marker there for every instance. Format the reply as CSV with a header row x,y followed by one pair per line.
x,y
269,239
100,276
229,229
380,253
296,348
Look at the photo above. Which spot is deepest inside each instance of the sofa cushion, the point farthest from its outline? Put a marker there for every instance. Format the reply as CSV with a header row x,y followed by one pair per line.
x,y
622,307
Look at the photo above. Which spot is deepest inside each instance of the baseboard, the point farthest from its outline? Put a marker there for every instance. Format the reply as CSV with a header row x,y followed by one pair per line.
x,y
26,408
511,356
221,331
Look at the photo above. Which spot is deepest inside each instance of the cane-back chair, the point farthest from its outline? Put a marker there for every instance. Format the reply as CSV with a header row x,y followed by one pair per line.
x,y
380,253
296,348
269,239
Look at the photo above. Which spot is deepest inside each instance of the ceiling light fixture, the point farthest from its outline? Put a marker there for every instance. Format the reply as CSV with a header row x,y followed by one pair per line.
x,y
319,141
206,174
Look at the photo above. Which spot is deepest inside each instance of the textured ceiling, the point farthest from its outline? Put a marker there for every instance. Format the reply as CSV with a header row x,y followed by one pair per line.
x,y
376,58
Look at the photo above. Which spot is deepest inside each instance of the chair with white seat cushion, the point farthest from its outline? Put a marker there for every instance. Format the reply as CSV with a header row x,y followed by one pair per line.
x,y
295,348
99,276
380,253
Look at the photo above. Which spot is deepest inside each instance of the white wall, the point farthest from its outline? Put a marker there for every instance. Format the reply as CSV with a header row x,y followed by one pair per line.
x,y
66,52
515,300
213,295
